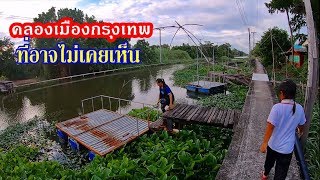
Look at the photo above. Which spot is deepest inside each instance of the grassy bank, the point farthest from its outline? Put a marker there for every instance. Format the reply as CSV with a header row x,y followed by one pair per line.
x,y
313,144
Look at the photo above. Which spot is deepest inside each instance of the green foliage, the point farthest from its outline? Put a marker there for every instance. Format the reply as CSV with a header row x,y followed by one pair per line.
x,y
264,47
297,14
296,74
148,55
207,49
60,70
313,144
186,75
235,100
170,56
8,66
193,153
145,113
9,137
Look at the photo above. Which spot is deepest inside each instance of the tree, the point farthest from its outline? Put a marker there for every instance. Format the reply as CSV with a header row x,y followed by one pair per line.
x,y
147,54
8,67
297,10
263,48
61,70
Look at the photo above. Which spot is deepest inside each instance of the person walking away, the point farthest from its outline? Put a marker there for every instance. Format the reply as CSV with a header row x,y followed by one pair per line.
x,y
279,138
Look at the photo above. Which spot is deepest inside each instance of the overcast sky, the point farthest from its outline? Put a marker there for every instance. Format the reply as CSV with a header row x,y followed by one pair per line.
x,y
221,19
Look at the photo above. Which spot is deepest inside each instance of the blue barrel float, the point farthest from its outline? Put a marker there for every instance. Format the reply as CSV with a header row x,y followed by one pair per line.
x,y
75,146
63,138
91,155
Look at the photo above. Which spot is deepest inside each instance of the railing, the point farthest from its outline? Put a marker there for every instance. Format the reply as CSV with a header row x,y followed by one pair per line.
x,y
206,78
106,103
300,158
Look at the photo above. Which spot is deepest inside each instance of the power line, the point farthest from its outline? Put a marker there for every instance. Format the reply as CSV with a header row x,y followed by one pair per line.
x,y
241,13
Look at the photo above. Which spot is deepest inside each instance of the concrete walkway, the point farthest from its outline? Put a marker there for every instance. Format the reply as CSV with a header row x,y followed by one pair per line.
x,y
244,161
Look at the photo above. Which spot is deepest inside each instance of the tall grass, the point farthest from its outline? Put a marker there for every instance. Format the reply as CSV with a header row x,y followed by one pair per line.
x,y
313,144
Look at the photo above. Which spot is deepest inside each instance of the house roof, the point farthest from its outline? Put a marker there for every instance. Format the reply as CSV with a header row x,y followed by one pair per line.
x,y
298,48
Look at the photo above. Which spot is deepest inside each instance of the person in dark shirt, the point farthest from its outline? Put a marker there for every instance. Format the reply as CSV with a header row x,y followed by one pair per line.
x,y
166,97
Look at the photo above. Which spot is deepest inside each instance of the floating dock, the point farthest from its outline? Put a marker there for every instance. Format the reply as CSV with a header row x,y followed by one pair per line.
x,y
183,113
206,87
6,86
102,131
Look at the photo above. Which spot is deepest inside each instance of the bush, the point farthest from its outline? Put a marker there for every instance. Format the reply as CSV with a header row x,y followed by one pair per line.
x,y
170,56
145,113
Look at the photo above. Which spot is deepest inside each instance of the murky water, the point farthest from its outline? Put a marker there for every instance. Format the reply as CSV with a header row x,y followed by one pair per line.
x,y
62,102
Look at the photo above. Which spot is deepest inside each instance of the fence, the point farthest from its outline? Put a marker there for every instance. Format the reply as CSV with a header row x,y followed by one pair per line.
x,y
86,74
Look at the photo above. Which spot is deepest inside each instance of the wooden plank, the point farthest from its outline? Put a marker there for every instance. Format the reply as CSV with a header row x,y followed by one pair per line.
x,y
188,113
196,116
177,113
210,110
226,119
237,115
184,112
202,114
168,114
211,119
215,117
195,111
231,119
206,115
223,116
218,119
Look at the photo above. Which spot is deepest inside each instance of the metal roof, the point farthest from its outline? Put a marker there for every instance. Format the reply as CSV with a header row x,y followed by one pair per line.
x,y
103,131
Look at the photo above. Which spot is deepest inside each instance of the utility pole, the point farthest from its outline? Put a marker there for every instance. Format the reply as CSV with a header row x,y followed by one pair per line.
x,y
160,28
249,43
273,69
160,46
313,71
212,54
253,41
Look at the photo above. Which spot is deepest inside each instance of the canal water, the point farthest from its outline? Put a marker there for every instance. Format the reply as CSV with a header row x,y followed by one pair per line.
x,y
63,101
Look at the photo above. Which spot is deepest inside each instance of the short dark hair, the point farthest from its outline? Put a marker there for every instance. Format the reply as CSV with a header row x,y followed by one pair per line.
x,y
289,90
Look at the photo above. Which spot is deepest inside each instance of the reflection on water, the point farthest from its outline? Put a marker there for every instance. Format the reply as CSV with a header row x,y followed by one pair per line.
x,y
137,85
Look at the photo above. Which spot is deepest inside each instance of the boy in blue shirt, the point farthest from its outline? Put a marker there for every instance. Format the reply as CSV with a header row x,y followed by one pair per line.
x,y
279,138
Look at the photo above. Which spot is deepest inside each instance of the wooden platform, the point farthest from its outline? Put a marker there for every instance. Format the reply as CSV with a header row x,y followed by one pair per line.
x,y
103,131
203,115
230,78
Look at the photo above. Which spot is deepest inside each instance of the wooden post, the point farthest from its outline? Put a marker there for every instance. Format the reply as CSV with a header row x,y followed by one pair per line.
x,y
313,71
273,69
